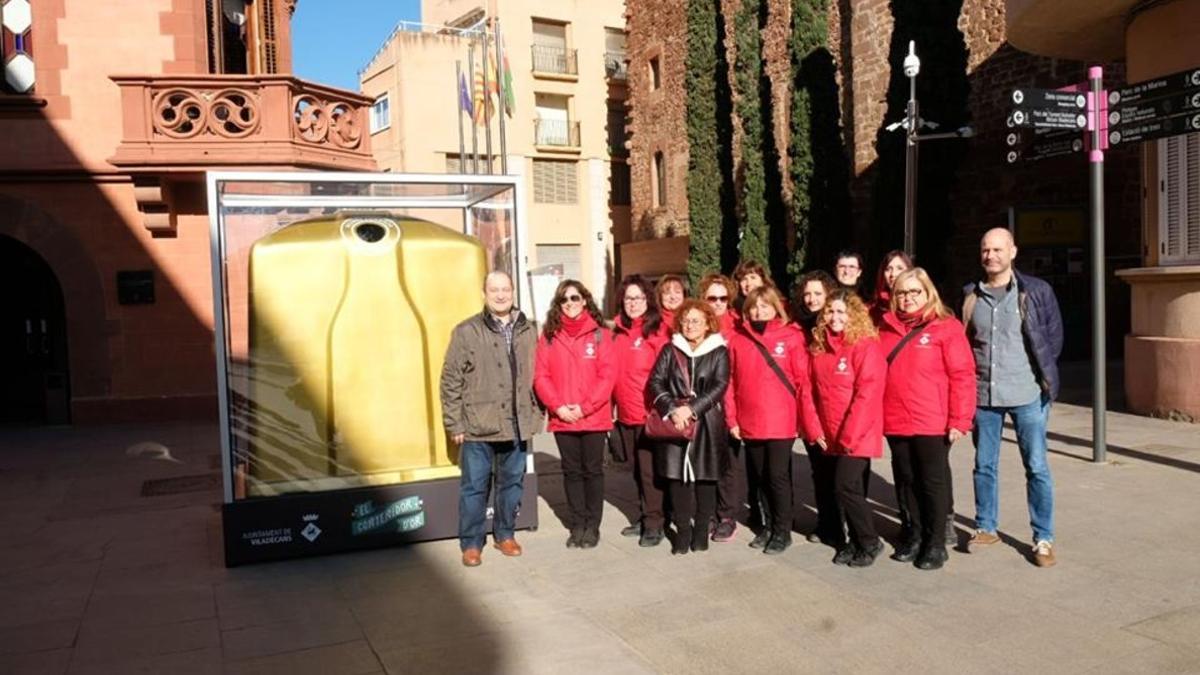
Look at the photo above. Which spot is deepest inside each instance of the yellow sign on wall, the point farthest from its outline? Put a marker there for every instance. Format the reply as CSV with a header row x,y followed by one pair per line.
x,y
1061,226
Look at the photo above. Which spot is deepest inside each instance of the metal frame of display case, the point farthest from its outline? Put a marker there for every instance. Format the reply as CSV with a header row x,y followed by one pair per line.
x,y
464,193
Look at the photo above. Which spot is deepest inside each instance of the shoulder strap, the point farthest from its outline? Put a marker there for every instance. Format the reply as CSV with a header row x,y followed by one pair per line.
x,y
774,366
904,340
683,366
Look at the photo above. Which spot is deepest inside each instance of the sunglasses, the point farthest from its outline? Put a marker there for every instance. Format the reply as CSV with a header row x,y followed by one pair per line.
x,y
572,298
717,298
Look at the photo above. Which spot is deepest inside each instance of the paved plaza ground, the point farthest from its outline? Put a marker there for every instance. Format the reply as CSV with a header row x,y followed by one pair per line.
x,y
96,578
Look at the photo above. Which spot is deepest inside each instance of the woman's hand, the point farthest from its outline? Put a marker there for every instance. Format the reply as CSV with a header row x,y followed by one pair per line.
x,y
569,413
822,442
954,435
681,416
736,432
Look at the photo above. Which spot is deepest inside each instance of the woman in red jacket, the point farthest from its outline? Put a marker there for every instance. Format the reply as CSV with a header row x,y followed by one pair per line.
x,y
843,413
928,405
894,262
768,365
810,295
670,292
574,374
718,292
637,340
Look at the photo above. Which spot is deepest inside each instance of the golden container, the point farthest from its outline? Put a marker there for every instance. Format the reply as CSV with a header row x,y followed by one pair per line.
x,y
350,318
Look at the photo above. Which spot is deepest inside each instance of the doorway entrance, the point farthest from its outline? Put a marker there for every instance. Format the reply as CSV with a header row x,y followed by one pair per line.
x,y
34,387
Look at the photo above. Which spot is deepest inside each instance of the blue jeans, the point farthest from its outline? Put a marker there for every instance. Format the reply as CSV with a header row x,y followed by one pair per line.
x,y
476,462
1030,423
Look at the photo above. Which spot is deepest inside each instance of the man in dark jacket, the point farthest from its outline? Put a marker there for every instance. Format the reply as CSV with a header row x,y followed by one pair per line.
x,y
488,409
1016,335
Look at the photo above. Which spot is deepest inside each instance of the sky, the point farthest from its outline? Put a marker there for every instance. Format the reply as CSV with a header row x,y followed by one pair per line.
x,y
333,39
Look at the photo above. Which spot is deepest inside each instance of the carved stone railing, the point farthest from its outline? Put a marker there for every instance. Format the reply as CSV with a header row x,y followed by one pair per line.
x,y
189,123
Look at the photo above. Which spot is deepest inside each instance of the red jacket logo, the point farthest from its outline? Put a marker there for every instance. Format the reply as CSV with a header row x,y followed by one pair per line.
x,y
637,344
842,366
779,348
924,341
590,350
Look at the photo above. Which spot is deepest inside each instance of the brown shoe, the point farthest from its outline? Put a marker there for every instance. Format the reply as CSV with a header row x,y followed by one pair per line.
x,y
1043,554
472,557
981,538
509,547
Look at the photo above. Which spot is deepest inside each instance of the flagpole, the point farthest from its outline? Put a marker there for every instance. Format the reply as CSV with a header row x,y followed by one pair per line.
x,y
458,92
474,126
487,118
503,97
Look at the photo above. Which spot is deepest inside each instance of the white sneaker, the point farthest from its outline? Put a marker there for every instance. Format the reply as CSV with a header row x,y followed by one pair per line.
x,y
1043,554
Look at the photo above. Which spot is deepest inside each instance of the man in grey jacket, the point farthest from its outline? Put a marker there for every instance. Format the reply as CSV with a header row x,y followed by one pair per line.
x,y
489,410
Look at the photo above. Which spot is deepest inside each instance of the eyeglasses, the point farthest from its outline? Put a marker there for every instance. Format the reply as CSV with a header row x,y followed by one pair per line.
x,y
572,298
693,322
635,298
717,298
911,292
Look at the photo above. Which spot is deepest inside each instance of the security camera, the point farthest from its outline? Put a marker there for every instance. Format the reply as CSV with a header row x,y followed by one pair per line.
x,y
912,64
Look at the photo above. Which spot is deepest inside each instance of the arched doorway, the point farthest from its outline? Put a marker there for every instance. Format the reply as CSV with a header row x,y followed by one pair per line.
x,y
34,383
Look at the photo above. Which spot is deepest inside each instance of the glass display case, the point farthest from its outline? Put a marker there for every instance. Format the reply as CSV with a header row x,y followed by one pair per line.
x,y
334,298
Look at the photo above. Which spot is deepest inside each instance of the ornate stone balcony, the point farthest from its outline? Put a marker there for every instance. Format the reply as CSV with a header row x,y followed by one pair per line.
x,y
186,124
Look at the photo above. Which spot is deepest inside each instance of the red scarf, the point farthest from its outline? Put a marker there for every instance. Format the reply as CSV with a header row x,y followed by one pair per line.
x,y
579,325
911,320
635,325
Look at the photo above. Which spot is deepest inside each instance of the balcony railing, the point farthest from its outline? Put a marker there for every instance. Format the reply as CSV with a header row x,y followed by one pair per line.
x,y
177,123
556,133
555,60
615,66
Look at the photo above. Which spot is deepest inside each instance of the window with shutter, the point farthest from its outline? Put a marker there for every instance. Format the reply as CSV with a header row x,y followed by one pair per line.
x,y
554,182
1179,199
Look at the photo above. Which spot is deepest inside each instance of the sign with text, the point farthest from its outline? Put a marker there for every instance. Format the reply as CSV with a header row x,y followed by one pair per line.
x,y
1039,118
1048,99
1157,88
1156,128
1151,109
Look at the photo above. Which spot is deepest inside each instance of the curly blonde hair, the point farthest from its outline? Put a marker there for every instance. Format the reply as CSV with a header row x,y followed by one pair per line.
x,y
858,327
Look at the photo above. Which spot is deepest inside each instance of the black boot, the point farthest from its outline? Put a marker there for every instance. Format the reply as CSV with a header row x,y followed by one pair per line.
x,y
683,540
780,542
908,550
865,557
762,538
932,558
699,538
844,554
650,538
633,530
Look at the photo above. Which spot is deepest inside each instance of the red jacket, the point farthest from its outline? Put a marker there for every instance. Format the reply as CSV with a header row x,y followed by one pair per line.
x,y
580,370
667,328
757,402
635,357
845,404
729,322
931,382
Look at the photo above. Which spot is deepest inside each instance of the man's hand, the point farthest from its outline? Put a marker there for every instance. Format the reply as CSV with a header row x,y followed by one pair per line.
x,y
821,442
458,438
736,432
954,435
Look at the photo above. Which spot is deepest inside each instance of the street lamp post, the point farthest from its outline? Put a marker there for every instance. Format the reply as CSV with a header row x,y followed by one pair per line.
x,y
912,124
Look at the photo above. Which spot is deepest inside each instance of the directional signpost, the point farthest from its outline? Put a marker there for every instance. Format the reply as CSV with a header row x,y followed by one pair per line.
x,y
1158,108
1058,117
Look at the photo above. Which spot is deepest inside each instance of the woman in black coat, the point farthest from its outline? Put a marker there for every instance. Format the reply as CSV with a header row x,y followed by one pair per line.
x,y
691,469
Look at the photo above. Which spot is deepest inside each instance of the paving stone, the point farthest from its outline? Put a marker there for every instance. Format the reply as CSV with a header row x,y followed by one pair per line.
x,y
350,658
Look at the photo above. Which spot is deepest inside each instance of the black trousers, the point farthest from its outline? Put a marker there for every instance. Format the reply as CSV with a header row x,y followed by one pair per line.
x,y
829,513
921,469
583,476
649,486
852,478
731,486
692,502
771,462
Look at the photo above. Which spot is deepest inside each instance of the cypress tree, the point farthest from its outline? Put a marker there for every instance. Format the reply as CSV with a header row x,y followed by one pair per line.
x,y
704,177
752,207
819,164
